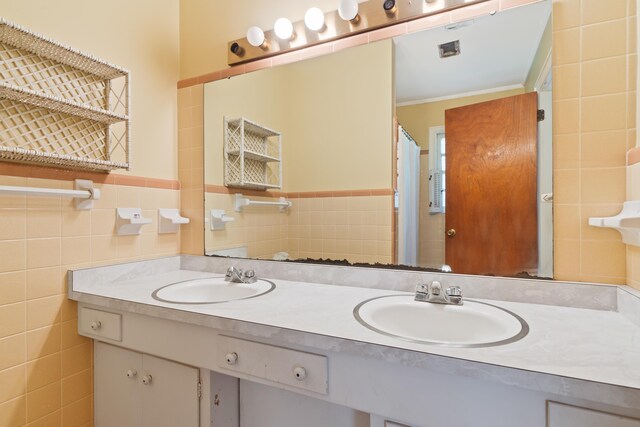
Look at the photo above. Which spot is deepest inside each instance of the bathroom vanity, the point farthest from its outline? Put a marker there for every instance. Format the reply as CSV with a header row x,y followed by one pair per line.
x,y
296,355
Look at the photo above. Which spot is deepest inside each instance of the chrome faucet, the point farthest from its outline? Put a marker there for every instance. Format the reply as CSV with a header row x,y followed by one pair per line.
x,y
235,275
434,293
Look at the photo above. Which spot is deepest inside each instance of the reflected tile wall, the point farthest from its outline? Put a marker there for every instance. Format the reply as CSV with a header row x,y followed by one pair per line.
x,y
356,228
262,230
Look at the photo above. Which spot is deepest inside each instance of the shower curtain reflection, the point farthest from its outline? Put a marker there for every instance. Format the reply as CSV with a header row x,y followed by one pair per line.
x,y
408,198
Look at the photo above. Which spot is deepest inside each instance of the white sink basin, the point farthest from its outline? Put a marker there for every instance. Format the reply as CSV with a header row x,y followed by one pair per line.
x,y
211,290
473,324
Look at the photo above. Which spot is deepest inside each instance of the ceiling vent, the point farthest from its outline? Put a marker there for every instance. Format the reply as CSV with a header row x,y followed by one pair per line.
x,y
449,49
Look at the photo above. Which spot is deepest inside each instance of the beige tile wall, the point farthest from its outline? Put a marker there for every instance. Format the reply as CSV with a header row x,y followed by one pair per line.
x,y
356,228
261,230
191,167
594,125
45,367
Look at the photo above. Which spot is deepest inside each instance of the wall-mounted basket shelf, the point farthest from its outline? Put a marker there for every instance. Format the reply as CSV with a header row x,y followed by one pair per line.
x,y
60,107
252,155
626,222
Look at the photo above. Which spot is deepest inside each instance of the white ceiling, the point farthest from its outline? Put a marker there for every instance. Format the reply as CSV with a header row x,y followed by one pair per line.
x,y
496,51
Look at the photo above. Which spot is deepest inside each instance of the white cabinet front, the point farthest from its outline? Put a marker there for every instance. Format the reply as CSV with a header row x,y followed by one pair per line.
x,y
134,389
560,415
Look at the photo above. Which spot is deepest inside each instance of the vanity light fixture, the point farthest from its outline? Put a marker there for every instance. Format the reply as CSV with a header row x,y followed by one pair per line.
x,y
352,17
283,29
256,38
348,11
314,19
390,7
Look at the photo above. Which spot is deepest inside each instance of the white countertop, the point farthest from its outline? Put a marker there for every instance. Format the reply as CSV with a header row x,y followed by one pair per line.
x,y
575,343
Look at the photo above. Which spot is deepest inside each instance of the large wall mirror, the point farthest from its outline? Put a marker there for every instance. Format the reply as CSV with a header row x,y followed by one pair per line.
x,y
432,150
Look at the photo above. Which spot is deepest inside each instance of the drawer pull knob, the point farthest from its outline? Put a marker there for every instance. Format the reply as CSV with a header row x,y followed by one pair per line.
x,y
232,358
300,373
132,373
146,380
96,325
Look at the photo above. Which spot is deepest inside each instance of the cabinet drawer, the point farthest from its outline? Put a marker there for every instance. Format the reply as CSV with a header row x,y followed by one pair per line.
x,y
100,324
280,365
561,415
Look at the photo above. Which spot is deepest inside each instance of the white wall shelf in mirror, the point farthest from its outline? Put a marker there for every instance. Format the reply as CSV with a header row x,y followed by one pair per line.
x,y
626,222
252,155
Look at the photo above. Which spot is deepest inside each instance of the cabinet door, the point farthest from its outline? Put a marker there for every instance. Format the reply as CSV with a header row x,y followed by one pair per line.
x,y
116,395
170,399
560,415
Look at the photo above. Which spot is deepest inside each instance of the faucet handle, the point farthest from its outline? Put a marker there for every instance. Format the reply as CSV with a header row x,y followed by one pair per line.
x,y
422,288
454,291
249,276
422,292
454,295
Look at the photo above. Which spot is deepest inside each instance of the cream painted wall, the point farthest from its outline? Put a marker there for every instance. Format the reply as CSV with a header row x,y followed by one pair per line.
x,y
207,26
142,36
341,121
334,112
417,119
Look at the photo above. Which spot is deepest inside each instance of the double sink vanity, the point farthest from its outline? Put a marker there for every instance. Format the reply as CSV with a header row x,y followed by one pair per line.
x,y
177,344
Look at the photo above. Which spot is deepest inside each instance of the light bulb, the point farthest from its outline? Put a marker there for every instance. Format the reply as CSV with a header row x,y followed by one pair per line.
x,y
283,29
314,19
255,36
348,10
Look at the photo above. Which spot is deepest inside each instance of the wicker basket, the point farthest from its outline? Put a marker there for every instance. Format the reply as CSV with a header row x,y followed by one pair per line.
x,y
60,107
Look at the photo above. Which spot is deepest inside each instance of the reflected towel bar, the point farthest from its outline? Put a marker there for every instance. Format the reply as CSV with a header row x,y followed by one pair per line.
x,y
242,202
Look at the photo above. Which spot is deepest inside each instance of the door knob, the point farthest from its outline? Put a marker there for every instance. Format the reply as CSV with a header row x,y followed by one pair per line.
x,y
131,373
146,380
451,232
96,325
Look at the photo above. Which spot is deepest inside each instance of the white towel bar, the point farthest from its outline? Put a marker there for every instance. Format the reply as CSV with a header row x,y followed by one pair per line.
x,y
84,191
242,201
